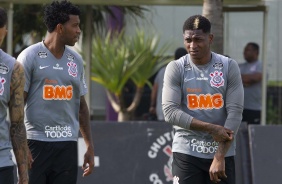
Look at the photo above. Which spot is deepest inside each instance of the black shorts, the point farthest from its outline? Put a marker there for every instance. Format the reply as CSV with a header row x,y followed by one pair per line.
x,y
7,175
191,169
251,116
54,162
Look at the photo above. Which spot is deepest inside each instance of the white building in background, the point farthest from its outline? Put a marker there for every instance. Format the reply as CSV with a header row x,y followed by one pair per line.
x,y
239,28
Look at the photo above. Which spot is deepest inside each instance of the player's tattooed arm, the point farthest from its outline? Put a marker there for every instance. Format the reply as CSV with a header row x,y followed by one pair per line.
x,y
85,129
17,130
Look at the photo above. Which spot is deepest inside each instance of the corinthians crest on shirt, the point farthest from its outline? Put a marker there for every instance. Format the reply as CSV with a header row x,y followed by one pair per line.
x,y
72,65
2,82
216,79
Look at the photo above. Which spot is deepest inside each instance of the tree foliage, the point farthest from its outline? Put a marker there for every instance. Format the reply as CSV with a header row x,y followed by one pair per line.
x,y
28,18
118,59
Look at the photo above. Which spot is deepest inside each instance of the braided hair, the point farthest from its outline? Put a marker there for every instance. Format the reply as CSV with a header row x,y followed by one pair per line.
x,y
197,22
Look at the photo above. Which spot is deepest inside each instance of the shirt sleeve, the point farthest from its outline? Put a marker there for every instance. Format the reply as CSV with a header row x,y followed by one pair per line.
x,y
27,62
83,85
234,97
172,96
259,68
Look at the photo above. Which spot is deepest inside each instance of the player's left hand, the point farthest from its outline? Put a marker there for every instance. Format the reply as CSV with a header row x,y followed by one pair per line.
x,y
88,164
217,170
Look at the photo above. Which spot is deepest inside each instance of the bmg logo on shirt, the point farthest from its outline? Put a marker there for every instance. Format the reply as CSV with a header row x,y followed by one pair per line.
x,y
58,131
207,101
57,92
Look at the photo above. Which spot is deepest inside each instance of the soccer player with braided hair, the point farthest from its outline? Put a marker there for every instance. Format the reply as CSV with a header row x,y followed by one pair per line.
x,y
203,99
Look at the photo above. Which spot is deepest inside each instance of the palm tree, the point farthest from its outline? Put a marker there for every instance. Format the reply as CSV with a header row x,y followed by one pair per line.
x,y
212,9
116,60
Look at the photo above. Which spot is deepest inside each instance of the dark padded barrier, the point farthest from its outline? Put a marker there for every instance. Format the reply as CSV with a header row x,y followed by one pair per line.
x,y
139,153
266,153
242,158
131,153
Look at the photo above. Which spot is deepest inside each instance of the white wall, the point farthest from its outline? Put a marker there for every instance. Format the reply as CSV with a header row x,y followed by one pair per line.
x,y
166,22
241,28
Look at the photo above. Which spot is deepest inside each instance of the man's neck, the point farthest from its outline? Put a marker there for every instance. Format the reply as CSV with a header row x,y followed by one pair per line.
x,y
202,61
252,61
54,46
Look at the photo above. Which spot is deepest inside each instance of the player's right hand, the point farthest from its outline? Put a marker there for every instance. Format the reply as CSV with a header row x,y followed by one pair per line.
x,y
221,134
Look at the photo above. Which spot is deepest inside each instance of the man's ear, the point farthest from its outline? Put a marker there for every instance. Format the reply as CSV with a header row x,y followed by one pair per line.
x,y
59,28
210,38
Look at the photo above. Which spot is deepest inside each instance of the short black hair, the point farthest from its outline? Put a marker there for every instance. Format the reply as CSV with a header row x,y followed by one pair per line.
x,y
3,17
254,45
197,22
58,13
179,52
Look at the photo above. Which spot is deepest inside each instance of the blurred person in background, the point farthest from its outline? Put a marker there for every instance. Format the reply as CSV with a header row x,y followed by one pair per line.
x,y
251,73
156,94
